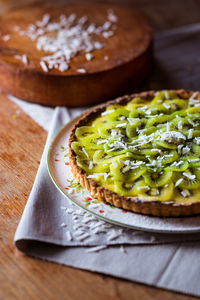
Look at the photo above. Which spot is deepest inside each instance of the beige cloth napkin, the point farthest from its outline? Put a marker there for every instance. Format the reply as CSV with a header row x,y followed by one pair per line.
x,y
40,232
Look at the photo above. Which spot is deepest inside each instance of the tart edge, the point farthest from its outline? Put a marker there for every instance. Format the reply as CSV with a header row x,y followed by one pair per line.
x,y
154,208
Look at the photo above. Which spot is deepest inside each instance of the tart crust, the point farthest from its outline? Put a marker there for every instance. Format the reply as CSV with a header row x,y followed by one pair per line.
x,y
155,208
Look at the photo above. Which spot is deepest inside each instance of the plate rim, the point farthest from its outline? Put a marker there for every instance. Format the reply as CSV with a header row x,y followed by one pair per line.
x,y
139,228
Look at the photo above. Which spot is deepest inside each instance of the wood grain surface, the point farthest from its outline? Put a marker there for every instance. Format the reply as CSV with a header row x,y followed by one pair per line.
x,y
22,142
21,277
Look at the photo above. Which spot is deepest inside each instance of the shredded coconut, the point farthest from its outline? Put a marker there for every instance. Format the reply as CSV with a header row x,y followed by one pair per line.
x,y
23,58
68,37
185,193
69,236
166,95
190,133
6,37
96,249
83,237
189,176
172,136
107,112
44,66
89,56
179,181
85,152
81,70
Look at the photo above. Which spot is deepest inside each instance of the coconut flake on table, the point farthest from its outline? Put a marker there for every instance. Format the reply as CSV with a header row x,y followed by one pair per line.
x,y
68,37
93,227
81,70
23,58
69,236
44,66
96,248
83,237
89,56
111,16
6,37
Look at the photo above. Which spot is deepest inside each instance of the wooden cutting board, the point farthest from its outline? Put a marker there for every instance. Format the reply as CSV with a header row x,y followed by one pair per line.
x,y
22,277
122,63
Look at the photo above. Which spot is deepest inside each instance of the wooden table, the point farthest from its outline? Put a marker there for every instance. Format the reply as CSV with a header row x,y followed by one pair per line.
x,y
21,146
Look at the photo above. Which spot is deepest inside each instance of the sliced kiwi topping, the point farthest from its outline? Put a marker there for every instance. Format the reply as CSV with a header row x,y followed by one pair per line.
x,y
148,149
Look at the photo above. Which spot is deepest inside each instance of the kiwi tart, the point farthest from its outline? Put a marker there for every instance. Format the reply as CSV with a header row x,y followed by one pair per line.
x,y
141,152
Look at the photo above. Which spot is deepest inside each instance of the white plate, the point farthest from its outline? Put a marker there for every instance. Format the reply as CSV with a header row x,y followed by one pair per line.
x,y
59,171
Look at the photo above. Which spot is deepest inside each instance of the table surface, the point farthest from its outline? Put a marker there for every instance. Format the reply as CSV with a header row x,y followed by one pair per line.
x,y
22,142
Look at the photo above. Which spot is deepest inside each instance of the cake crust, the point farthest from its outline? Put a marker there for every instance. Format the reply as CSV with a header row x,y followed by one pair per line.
x,y
128,52
135,204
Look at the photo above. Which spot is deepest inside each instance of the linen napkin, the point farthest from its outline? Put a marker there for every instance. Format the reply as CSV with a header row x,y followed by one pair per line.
x,y
50,217
45,221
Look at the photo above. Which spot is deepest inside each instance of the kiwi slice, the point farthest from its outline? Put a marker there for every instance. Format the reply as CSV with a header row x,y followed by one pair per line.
x,y
180,113
118,115
186,196
100,122
77,147
137,113
194,133
193,119
106,130
178,166
180,124
115,152
84,131
135,103
93,141
195,162
149,130
80,150
124,172
168,157
157,179
158,120
144,150
193,110
163,193
189,179
164,144
160,97
191,151
133,130
175,104
157,109
162,156
90,167
100,156
127,188
151,153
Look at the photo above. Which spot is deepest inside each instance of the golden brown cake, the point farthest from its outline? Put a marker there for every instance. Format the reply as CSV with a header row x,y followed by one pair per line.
x,y
141,152
63,54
